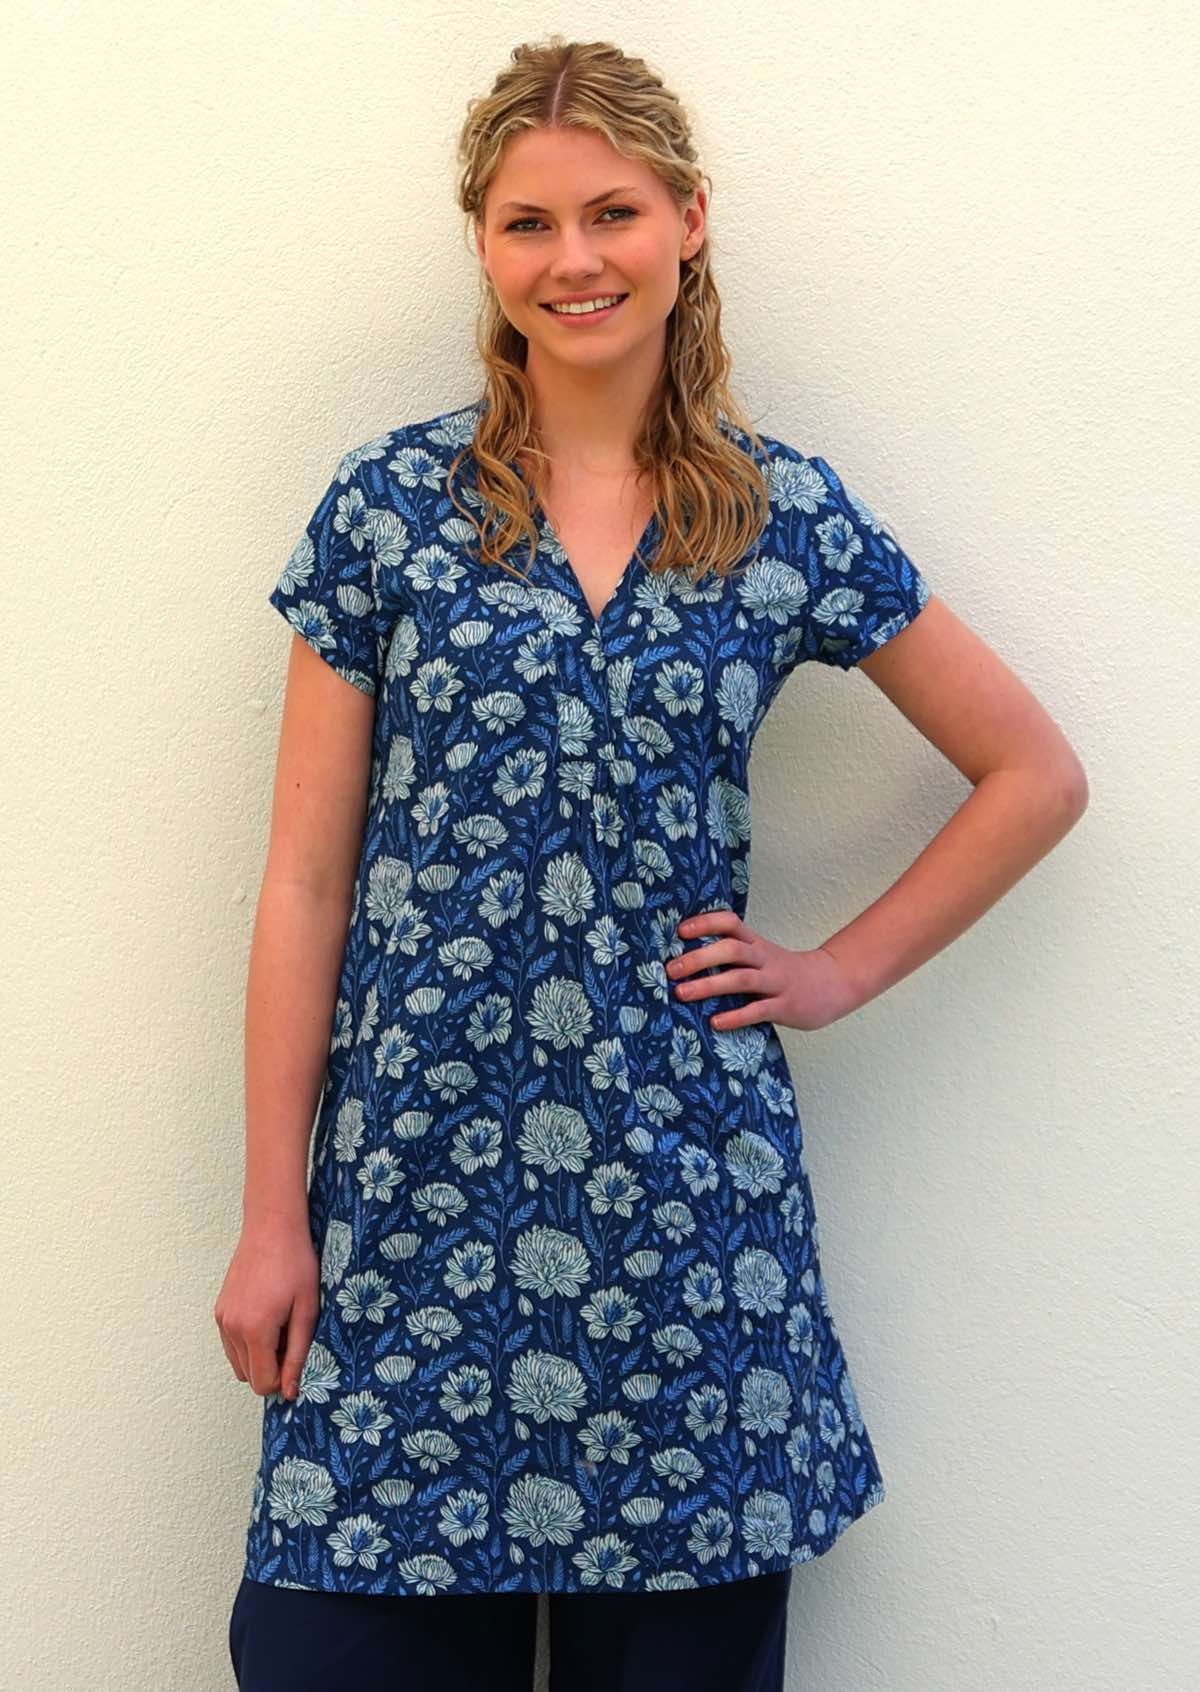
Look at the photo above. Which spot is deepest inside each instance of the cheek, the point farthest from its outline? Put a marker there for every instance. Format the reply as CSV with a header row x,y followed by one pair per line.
x,y
526,279
655,264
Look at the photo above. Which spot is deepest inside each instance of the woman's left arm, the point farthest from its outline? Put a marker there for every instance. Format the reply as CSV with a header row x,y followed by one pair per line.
x,y
1029,790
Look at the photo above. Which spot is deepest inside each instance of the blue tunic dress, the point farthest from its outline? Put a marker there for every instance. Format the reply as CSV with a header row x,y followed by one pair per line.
x,y
573,1332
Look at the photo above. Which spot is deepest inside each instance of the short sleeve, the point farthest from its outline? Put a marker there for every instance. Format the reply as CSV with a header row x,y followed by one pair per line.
x,y
860,587
327,590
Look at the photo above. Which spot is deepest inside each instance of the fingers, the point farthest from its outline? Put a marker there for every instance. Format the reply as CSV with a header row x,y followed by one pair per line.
x,y
747,980
716,952
268,1310
712,922
233,1352
299,1337
264,1355
762,1010
743,972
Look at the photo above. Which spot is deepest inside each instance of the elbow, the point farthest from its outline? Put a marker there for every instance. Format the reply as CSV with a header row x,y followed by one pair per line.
x,y
1070,788
1076,792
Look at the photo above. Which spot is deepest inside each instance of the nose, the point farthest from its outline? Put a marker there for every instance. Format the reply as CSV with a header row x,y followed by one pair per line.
x,y
574,258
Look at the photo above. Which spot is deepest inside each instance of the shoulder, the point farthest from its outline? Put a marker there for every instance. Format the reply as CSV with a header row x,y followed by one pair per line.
x,y
414,451
804,483
798,479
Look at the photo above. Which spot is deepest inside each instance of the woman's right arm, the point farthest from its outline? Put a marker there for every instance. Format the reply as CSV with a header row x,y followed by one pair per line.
x,y
267,1307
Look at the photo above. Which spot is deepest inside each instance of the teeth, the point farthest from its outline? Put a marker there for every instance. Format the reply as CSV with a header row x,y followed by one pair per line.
x,y
587,305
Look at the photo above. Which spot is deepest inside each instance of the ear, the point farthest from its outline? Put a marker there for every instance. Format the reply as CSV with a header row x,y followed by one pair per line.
x,y
695,220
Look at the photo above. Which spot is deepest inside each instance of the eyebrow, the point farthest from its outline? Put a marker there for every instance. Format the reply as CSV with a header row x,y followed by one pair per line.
x,y
523,205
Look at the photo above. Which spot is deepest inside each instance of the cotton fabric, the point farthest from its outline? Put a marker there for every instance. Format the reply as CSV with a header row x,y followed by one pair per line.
x,y
573,1332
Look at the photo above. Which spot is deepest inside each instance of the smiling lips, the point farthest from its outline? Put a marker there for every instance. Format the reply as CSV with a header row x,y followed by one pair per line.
x,y
587,307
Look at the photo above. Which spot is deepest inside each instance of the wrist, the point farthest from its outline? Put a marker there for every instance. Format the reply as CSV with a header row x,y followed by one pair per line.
x,y
853,991
274,1216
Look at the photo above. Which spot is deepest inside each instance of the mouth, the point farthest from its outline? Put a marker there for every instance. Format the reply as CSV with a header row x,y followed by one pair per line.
x,y
591,315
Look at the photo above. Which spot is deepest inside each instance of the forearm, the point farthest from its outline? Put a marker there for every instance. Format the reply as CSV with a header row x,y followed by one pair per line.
x,y
295,961
1010,820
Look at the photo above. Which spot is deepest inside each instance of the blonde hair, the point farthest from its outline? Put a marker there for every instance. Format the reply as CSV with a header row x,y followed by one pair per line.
x,y
711,501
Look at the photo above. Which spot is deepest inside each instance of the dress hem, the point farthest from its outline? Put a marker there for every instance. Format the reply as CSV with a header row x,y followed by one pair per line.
x,y
746,1569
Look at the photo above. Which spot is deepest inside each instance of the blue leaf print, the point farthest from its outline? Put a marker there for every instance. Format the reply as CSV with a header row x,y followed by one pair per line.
x,y
569,1253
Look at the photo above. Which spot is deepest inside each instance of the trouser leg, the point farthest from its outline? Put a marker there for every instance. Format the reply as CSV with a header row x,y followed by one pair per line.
x,y
285,1639
728,1637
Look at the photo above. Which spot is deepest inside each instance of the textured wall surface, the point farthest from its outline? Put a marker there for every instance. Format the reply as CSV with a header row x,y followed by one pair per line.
x,y
957,248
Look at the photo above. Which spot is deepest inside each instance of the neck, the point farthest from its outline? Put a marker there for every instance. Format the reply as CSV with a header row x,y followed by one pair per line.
x,y
589,419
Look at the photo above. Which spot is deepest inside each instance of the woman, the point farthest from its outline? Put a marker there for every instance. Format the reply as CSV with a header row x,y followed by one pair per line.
x,y
549,1314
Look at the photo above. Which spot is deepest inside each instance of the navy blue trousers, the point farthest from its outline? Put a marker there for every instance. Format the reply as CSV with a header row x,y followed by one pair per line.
x,y
728,1637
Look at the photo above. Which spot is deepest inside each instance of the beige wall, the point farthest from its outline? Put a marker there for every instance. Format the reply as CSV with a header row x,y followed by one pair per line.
x,y
957,245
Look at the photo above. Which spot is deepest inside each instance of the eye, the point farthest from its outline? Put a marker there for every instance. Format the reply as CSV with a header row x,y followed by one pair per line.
x,y
627,210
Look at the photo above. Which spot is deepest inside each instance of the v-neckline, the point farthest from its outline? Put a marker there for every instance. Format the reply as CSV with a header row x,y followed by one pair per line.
x,y
560,556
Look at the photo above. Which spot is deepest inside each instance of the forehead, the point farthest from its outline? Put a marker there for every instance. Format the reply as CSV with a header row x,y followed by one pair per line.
x,y
562,169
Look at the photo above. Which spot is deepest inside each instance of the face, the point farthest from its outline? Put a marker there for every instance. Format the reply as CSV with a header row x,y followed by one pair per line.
x,y
541,240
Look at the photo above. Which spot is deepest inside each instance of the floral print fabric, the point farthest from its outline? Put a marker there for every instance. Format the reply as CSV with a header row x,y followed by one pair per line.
x,y
573,1332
